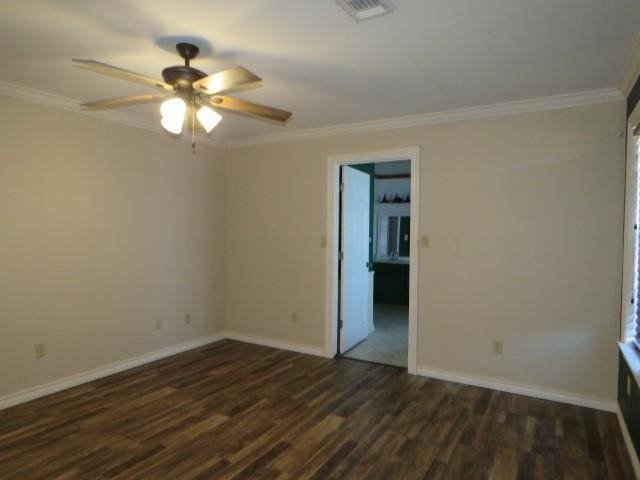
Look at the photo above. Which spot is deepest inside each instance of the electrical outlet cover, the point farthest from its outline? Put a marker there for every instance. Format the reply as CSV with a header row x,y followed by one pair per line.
x,y
41,350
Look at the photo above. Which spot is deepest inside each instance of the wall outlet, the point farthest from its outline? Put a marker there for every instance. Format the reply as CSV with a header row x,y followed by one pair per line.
x,y
628,386
41,350
294,317
497,347
158,323
187,318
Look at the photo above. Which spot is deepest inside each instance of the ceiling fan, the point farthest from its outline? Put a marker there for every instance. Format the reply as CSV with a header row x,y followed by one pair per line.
x,y
187,92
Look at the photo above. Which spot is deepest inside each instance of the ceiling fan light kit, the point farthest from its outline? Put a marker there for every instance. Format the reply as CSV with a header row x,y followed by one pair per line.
x,y
208,118
173,112
188,92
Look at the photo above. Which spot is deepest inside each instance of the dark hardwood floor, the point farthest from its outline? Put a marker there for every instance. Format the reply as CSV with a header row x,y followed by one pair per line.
x,y
233,410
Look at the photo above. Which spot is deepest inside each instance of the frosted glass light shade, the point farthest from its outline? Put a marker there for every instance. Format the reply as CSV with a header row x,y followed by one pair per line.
x,y
208,118
173,112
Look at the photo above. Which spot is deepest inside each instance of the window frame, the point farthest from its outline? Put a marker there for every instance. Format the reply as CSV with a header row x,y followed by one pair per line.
x,y
630,300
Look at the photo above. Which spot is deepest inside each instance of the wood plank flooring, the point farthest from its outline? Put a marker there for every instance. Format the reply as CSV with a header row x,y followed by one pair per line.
x,y
237,411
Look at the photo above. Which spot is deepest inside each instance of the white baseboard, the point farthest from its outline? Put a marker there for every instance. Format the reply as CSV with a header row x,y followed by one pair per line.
x,y
528,390
32,393
38,391
90,375
274,343
628,443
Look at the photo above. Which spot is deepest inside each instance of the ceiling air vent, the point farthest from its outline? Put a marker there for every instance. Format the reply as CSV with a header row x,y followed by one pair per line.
x,y
361,10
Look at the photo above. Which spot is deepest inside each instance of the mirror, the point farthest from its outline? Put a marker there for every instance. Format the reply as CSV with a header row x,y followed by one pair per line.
x,y
393,237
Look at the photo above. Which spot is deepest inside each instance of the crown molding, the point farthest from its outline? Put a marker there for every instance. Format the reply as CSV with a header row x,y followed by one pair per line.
x,y
498,109
71,105
485,111
632,69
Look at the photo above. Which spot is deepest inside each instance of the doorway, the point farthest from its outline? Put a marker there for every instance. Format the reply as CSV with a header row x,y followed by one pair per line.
x,y
372,256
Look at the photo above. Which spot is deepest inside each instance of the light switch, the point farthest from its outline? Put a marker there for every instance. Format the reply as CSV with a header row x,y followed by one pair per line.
x,y
424,241
323,241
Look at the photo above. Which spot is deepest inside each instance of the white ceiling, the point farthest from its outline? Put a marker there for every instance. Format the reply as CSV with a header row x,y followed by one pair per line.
x,y
429,55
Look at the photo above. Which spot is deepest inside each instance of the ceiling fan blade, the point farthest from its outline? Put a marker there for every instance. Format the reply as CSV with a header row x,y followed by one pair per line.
x,y
253,110
228,81
123,101
121,73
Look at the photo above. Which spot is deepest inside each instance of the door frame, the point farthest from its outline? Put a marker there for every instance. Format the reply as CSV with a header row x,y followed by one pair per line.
x,y
334,162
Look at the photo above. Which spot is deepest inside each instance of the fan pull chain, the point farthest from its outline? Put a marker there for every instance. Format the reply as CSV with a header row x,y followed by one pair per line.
x,y
193,127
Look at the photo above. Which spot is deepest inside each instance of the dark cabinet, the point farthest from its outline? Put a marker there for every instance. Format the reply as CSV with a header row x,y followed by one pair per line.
x,y
391,283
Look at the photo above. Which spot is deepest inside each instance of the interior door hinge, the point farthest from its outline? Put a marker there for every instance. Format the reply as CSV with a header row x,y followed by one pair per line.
x,y
340,324
342,187
340,256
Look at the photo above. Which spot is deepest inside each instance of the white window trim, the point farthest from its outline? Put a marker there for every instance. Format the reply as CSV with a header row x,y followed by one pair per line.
x,y
629,251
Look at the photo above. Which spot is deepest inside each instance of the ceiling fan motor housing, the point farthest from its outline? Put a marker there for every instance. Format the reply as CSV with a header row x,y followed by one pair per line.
x,y
182,77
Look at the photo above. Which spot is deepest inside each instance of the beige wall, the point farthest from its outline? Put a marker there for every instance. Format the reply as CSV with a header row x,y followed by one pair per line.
x,y
525,217
103,228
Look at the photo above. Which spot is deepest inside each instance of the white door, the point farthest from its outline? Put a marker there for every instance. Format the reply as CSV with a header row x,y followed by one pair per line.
x,y
355,294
